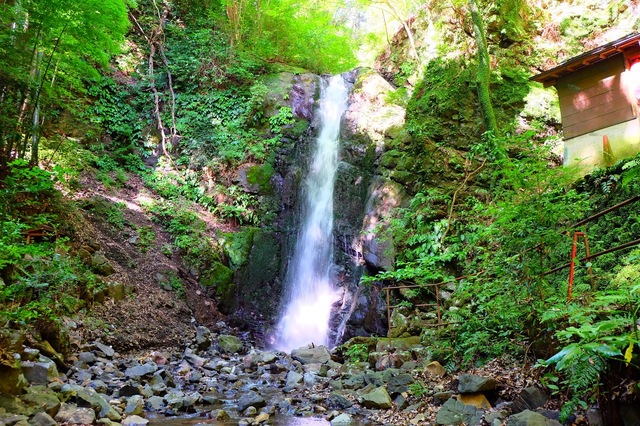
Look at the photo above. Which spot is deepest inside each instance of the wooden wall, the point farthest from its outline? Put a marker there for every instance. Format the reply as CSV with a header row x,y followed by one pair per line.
x,y
594,97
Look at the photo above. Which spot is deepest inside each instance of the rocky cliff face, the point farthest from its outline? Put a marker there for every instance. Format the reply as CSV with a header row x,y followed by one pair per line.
x,y
364,196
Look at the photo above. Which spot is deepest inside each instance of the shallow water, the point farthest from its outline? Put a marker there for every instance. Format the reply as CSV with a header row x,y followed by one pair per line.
x,y
274,421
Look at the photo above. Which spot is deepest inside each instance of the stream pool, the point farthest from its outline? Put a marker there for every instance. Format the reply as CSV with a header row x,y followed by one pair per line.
x,y
274,421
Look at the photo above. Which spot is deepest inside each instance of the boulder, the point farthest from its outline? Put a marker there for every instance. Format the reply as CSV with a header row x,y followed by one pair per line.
x,y
100,264
293,378
107,351
229,344
530,418
342,419
42,419
116,290
250,399
529,398
138,371
470,383
435,369
376,398
219,415
135,405
41,398
134,421
477,400
398,384
155,403
335,401
454,412
315,355
71,414
12,381
203,338
39,373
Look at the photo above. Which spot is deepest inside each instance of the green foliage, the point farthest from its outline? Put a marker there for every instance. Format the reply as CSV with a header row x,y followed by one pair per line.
x,y
418,389
358,352
188,232
44,287
444,104
298,33
50,49
146,238
112,109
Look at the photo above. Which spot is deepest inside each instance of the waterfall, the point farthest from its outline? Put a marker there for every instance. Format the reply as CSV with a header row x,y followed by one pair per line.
x,y
309,284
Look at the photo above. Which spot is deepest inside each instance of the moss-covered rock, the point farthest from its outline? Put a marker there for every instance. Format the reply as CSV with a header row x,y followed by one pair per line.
x,y
260,177
237,245
219,278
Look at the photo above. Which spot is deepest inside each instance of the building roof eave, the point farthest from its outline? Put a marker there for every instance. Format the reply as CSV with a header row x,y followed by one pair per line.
x,y
549,77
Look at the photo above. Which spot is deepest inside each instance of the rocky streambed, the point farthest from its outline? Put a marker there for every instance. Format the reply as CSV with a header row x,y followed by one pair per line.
x,y
221,379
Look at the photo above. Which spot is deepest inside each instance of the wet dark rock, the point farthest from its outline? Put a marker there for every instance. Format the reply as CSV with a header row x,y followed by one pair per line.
x,y
398,384
529,398
594,417
250,399
335,401
203,338
630,414
470,383
130,390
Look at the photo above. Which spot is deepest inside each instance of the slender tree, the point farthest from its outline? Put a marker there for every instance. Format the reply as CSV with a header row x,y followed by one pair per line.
x,y
484,71
49,50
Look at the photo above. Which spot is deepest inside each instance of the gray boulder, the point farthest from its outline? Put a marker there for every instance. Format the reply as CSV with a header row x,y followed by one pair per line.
x,y
376,398
250,399
141,370
342,419
530,418
39,373
135,405
134,421
456,413
470,383
71,414
293,378
42,419
315,355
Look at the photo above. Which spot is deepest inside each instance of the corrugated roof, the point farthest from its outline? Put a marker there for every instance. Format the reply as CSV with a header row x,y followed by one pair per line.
x,y
599,53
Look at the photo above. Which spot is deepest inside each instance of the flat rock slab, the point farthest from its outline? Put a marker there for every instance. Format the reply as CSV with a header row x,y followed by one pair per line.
x,y
316,355
530,418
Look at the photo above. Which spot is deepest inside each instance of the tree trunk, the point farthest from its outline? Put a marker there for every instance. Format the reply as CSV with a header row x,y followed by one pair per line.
x,y
483,72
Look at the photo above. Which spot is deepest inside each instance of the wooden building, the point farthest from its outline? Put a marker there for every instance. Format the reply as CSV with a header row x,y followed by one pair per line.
x,y
599,94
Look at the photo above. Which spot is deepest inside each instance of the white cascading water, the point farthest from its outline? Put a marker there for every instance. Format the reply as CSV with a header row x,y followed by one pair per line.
x,y
310,291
